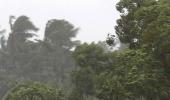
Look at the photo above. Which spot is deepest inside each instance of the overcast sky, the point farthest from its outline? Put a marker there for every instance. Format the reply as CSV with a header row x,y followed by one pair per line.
x,y
95,18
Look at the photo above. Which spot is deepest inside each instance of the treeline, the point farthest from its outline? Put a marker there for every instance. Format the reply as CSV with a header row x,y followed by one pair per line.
x,y
23,57
138,71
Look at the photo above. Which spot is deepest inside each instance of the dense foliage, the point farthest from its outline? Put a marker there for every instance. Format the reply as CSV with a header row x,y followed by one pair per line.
x,y
34,91
140,72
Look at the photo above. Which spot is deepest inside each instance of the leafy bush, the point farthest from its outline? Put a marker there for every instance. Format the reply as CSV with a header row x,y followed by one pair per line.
x,y
34,91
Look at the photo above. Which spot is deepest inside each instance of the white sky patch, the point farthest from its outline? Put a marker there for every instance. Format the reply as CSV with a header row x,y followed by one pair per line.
x,y
95,18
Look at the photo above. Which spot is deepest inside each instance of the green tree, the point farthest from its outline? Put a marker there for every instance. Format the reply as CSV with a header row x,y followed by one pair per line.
x,y
20,49
34,91
56,48
129,29
22,30
145,24
90,61
130,74
133,75
156,27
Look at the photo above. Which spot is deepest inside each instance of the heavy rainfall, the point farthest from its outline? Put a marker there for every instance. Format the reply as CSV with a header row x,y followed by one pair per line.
x,y
85,55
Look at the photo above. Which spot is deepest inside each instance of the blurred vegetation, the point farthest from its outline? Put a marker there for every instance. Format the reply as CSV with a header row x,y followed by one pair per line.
x,y
138,70
23,57
34,91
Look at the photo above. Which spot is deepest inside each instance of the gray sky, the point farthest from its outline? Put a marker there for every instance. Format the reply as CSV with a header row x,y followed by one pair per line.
x,y
95,18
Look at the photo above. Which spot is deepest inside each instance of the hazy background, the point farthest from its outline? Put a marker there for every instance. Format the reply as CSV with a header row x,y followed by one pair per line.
x,y
95,18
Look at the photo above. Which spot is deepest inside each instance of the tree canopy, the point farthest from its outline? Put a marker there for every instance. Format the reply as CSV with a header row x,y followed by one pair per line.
x,y
34,91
